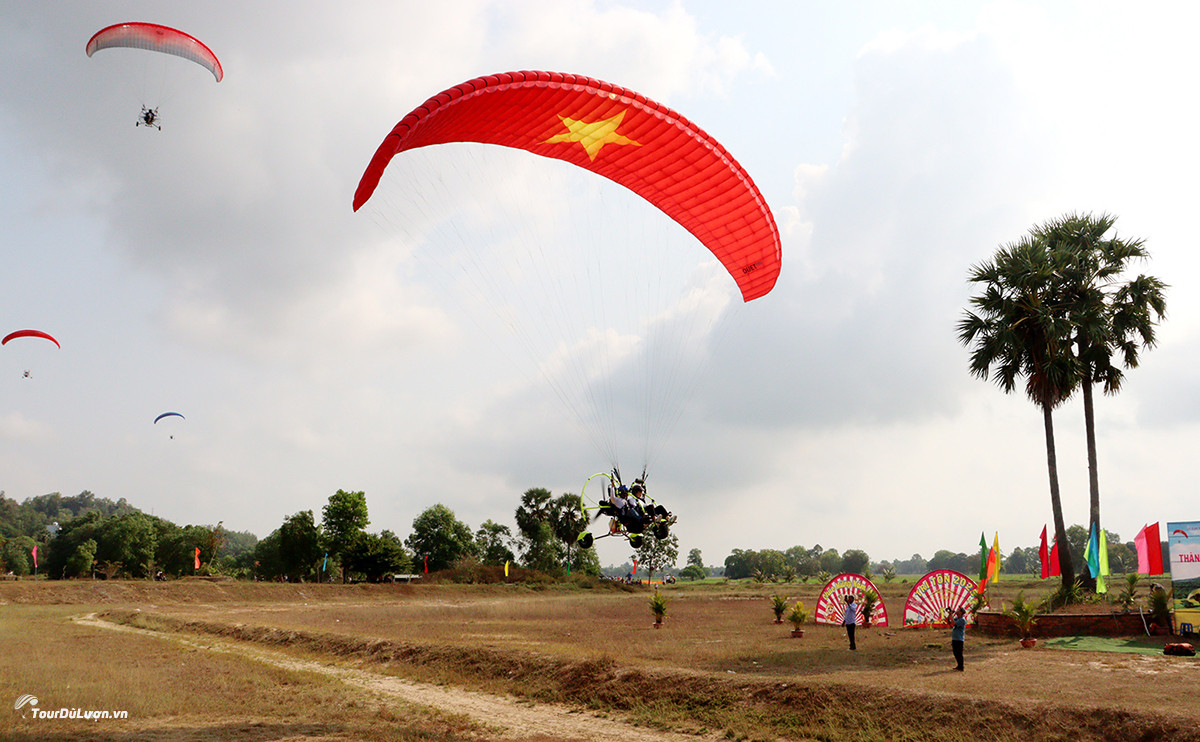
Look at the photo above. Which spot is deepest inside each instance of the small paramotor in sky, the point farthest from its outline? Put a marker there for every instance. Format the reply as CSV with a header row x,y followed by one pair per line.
x,y
169,414
153,37
29,334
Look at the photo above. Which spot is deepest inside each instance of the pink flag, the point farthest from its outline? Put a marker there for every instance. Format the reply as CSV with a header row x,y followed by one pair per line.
x,y
1149,550
1139,541
1044,555
197,557
35,556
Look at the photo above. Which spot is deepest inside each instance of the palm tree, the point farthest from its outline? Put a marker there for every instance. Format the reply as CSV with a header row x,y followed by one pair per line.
x,y
1108,316
1019,329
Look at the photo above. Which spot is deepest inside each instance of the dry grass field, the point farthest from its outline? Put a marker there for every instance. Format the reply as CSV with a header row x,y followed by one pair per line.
x,y
239,661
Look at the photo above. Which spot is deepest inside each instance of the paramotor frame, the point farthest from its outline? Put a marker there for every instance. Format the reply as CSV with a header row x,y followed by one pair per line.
x,y
642,514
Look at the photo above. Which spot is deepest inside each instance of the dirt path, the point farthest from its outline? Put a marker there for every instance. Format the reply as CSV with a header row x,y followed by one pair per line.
x,y
511,719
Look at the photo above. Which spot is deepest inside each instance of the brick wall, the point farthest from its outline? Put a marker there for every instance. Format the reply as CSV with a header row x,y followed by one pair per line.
x,y
1065,624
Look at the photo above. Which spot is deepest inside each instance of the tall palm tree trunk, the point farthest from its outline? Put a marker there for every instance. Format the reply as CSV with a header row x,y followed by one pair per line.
x,y
1060,527
1089,424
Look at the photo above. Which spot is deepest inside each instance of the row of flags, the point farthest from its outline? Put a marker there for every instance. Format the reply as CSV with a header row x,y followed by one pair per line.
x,y
1147,541
33,551
989,561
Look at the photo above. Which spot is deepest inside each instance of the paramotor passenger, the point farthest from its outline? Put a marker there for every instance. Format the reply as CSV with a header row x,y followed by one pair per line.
x,y
148,118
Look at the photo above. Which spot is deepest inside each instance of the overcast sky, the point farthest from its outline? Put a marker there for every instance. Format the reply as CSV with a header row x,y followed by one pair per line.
x,y
216,268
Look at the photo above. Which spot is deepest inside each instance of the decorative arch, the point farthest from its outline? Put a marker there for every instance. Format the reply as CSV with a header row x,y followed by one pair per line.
x,y
831,603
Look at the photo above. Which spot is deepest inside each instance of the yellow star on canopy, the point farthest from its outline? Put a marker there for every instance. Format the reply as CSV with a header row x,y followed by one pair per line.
x,y
592,135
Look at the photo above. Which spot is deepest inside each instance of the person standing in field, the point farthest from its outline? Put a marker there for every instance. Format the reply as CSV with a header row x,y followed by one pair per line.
x,y
850,618
958,635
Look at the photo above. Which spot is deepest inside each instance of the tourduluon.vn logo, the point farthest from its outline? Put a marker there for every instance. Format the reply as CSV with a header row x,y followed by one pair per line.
x,y
28,706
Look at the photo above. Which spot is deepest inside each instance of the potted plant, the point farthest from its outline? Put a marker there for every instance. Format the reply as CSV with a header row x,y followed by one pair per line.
x,y
1160,611
1129,594
1024,617
869,599
797,615
779,606
658,606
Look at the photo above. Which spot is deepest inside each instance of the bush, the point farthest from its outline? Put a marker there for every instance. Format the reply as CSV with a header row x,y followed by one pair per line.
x,y
1063,597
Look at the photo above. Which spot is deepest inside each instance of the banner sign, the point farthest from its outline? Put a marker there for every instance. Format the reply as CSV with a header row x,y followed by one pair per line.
x,y
1183,541
831,603
938,594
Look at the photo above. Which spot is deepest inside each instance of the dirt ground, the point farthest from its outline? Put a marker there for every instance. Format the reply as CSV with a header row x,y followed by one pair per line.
x,y
527,664
509,717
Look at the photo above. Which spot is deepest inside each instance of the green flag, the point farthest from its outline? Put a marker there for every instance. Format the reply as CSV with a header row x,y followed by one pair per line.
x,y
982,557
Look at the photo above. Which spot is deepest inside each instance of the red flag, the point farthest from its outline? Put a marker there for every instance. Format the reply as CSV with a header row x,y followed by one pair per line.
x,y
1055,570
1044,555
197,557
1149,550
635,566
426,564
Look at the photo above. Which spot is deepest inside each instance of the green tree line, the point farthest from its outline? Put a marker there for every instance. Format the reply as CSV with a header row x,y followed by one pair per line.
x,y
89,536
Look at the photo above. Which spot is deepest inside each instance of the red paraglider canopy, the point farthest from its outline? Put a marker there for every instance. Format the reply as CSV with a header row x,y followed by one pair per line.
x,y
156,38
614,132
28,334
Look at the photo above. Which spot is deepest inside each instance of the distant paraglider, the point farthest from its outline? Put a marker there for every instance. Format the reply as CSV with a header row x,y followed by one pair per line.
x,y
155,38
28,334
169,414
28,374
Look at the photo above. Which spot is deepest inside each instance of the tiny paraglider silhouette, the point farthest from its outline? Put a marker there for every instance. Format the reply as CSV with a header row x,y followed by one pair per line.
x,y
169,414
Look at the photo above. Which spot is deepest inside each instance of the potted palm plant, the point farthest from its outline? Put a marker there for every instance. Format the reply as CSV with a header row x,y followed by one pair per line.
x,y
1160,611
797,615
658,606
869,599
779,606
1129,595
1024,617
